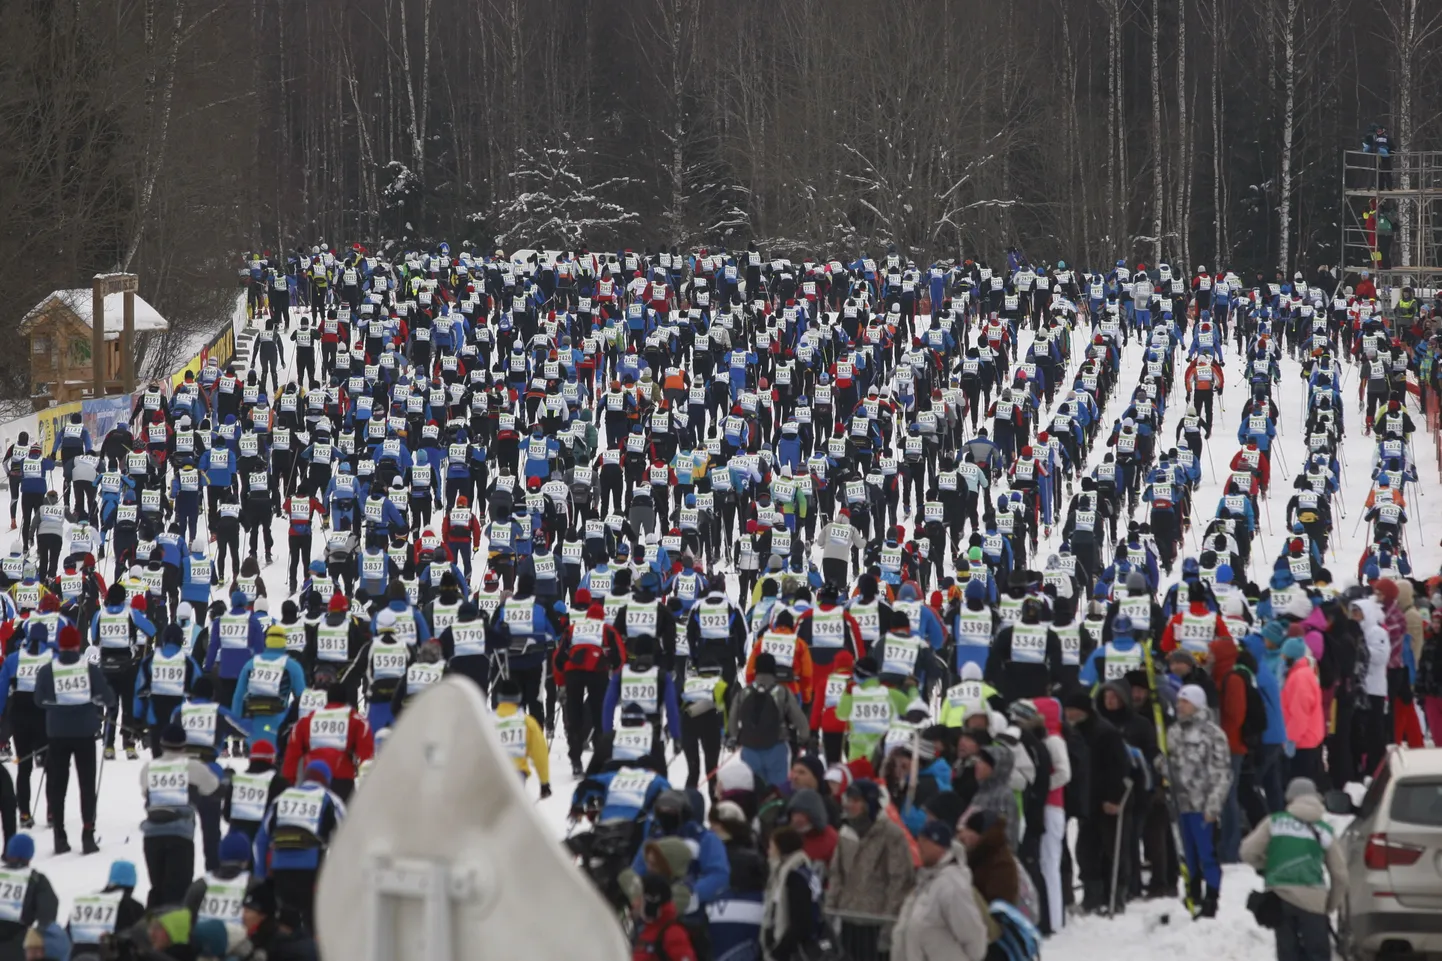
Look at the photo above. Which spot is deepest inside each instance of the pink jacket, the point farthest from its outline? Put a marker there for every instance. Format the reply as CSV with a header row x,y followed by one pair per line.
x,y
1396,624
1316,625
1302,706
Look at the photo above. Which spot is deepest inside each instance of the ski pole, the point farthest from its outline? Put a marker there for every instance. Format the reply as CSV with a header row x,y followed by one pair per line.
x,y
100,772
1117,846
40,789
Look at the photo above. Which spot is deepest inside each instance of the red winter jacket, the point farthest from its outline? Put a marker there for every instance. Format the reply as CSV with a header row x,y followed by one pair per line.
x,y
360,746
675,942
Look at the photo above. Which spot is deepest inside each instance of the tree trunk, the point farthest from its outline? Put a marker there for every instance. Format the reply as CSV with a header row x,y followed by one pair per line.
x,y
1181,217
1289,111
154,156
1218,205
1158,197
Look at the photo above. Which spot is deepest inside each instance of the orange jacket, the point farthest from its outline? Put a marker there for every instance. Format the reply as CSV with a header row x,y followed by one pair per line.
x,y
1231,691
800,683
1170,638
824,718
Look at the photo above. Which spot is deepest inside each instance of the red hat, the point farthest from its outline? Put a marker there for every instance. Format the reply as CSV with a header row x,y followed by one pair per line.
x,y
1043,437
262,750
583,598
338,603
751,526
596,609
49,603
1383,587
844,512
69,638
1295,544
533,483
1026,451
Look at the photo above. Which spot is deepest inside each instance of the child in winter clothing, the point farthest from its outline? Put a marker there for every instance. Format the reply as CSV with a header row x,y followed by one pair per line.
x,y
1302,710
661,934
1201,771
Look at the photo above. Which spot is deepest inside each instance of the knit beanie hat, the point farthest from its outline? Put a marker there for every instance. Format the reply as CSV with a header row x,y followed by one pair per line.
x,y
1294,649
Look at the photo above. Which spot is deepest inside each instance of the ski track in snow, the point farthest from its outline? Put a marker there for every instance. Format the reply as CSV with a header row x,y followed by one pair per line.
x,y
1147,929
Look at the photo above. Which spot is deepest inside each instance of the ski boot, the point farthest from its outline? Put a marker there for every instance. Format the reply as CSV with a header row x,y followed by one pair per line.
x,y
576,770
6,753
27,821
130,753
109,754
87,840
1209,903
269,559
62,843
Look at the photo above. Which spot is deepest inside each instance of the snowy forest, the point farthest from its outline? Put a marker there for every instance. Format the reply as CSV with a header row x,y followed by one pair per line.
x,y
168,136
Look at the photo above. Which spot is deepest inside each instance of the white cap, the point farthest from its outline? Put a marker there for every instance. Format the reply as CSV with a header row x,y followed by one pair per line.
x,y
1193,695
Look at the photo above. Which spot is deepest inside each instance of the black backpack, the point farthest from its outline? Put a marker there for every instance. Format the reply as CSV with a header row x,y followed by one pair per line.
x,y
758,719
1254,724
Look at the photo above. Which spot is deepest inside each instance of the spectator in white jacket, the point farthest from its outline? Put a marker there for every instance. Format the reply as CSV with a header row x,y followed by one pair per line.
x,y
1376,732
1044,718
942,916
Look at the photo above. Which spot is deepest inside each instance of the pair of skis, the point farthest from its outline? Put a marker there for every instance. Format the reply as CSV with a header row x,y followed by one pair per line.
x,y
1173,811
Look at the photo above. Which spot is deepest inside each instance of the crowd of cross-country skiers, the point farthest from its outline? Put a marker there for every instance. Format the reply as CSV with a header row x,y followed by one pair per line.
x,y
889,553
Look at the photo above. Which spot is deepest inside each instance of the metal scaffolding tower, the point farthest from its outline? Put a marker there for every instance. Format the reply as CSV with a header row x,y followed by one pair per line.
x,y
1403,190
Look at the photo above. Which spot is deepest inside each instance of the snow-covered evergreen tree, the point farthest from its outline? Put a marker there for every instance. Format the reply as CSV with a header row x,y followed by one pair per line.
x,y
558,197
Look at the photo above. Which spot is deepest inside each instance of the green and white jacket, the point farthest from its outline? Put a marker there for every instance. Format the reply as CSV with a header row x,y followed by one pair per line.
x,y
1296,854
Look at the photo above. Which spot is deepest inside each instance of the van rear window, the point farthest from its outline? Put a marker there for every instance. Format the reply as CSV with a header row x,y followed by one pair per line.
x,y
1417,801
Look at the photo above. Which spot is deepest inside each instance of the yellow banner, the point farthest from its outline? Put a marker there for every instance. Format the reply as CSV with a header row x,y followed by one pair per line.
x,y
222,349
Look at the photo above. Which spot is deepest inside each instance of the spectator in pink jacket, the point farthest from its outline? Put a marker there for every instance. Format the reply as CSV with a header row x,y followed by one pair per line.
x,y
1315,626
1302,712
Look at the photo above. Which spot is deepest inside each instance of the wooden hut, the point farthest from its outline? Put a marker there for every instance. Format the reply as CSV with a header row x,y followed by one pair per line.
x,y
59,338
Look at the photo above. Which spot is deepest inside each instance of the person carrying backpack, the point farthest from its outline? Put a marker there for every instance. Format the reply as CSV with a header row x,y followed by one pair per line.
x,y
1242,716
766,721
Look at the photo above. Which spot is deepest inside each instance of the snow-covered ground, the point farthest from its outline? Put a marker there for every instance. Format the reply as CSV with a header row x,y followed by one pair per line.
x,y
1148,929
